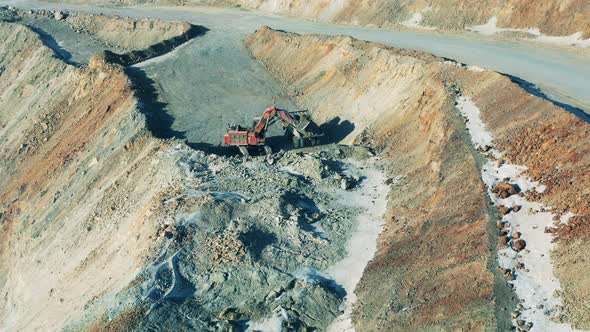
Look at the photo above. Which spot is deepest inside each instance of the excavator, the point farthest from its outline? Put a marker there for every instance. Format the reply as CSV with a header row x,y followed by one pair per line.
x,y
298,125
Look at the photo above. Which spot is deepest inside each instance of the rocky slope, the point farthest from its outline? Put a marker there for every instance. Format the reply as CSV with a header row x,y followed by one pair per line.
x,y
555,17
436,244
75,37
106,227
74,198
421,275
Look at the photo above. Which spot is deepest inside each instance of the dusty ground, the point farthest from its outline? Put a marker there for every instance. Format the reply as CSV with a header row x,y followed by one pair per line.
x,y
132,231
179,232
556,17
442,172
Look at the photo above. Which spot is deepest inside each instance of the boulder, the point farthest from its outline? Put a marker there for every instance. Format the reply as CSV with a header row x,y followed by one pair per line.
x,y
518,244
550,230
344,184
505,189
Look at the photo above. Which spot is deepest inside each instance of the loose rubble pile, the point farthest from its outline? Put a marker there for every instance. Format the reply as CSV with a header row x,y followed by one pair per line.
x,y
246,237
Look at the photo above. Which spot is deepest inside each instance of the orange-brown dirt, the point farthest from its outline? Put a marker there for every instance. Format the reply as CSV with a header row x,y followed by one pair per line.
x,y
79,173
435,245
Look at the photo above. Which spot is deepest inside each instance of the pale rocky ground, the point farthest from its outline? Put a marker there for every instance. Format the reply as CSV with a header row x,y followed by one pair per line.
x,y
130,231
107,227
441,191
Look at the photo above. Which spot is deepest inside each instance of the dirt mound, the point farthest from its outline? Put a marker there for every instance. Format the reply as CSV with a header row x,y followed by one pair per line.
x,y
75,37
122,33
435,243
403,103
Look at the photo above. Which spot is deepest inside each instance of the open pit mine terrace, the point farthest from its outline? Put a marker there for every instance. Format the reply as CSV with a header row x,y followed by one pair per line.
x,y
446,197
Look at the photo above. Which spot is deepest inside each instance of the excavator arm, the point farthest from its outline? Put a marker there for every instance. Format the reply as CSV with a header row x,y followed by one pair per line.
x,y
298,123
270,116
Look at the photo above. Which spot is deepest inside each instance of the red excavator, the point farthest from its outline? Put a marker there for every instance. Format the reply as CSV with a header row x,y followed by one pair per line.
x,y
296,124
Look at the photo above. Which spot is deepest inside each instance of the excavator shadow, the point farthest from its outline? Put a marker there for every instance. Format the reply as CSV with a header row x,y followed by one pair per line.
x,y
334,131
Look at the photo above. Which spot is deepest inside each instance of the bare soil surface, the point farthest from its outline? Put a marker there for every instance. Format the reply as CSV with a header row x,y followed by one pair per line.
x,y
132,229
133,232
439,172
547,72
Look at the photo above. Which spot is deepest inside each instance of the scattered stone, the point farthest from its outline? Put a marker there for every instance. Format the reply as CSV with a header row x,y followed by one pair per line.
x,y
344,184
504,210
526,327
550,230
519,244
505,189
516,235
515,314
227,248
486,148
499,224
516,208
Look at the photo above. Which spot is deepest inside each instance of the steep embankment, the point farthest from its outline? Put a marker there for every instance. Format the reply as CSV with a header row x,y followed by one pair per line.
x,y
552,144
75,37
78,174
127,33
435,247
105,227
555,17
422,275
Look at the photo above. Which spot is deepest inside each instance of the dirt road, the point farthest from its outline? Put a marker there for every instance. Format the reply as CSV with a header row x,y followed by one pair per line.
x,y
203,85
